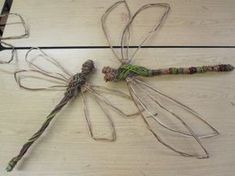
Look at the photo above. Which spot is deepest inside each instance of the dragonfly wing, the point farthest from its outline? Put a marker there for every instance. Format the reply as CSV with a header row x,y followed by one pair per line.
x,y
200,126
113,31
36,80
7,56
37,59
119,101
12,21
141,36
97,126
174,125
40,77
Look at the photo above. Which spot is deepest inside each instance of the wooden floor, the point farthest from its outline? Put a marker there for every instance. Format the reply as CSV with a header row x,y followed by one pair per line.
x,y
67,148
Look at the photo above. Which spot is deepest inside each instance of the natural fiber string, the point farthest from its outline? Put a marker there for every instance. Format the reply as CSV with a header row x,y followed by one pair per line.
x,y
94,91
104,26
149,34
47,58
18,78
86,113
58,78
198,116
50,60
162,124
188,109
13,53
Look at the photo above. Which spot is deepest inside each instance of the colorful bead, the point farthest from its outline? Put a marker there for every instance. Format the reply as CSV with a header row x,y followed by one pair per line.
x,y
165,71
180,70
173,70
192,70
127,70
199,69
204,68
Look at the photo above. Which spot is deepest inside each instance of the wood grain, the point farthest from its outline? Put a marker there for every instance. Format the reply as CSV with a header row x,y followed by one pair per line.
x,y
77,22
1,4
68,150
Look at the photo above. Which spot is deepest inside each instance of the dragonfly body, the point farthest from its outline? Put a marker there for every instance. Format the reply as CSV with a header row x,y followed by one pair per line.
x,y
74,87
79,79
129,70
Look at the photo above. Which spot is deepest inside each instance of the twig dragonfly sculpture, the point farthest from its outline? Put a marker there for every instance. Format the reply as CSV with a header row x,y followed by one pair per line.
x,y
73,84
173,124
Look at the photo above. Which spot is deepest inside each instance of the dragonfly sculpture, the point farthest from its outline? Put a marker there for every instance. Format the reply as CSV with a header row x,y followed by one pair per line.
x,y
172,123
73,84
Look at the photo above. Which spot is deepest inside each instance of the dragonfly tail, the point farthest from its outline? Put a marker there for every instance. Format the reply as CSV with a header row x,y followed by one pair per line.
x,y
193,70
13,162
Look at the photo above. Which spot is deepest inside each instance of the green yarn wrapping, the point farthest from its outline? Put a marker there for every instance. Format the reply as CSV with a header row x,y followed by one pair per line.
x,y
127,70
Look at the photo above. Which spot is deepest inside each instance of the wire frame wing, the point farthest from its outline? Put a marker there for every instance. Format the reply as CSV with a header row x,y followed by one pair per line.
x,y
98,126
121,99
37,59
14,20
175,125
11,53
128,35
35,80
105,107
107,29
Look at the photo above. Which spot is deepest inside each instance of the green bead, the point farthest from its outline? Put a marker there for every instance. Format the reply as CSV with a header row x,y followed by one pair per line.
x,y
199,69
174,71
181,70
204,68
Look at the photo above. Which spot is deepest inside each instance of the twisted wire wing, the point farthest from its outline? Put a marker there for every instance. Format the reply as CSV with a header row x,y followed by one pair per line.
x,y
125,56
39,78
10,55
96,103
175,125
141,39
121,16
11,21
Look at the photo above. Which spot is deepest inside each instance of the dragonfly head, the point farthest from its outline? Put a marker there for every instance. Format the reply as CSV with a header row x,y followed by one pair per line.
x,y
88,67
110,74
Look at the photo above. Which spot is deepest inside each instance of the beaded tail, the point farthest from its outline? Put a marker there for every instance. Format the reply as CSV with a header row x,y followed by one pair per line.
x,y
129,70
36,136
192,70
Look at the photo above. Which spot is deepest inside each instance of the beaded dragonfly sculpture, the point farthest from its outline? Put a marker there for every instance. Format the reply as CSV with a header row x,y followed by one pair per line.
x,y
73,84
14,20
172,123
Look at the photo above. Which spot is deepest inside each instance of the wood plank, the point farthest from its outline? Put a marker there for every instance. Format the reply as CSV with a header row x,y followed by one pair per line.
x,y
1,7
77,23
1,4
67,148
